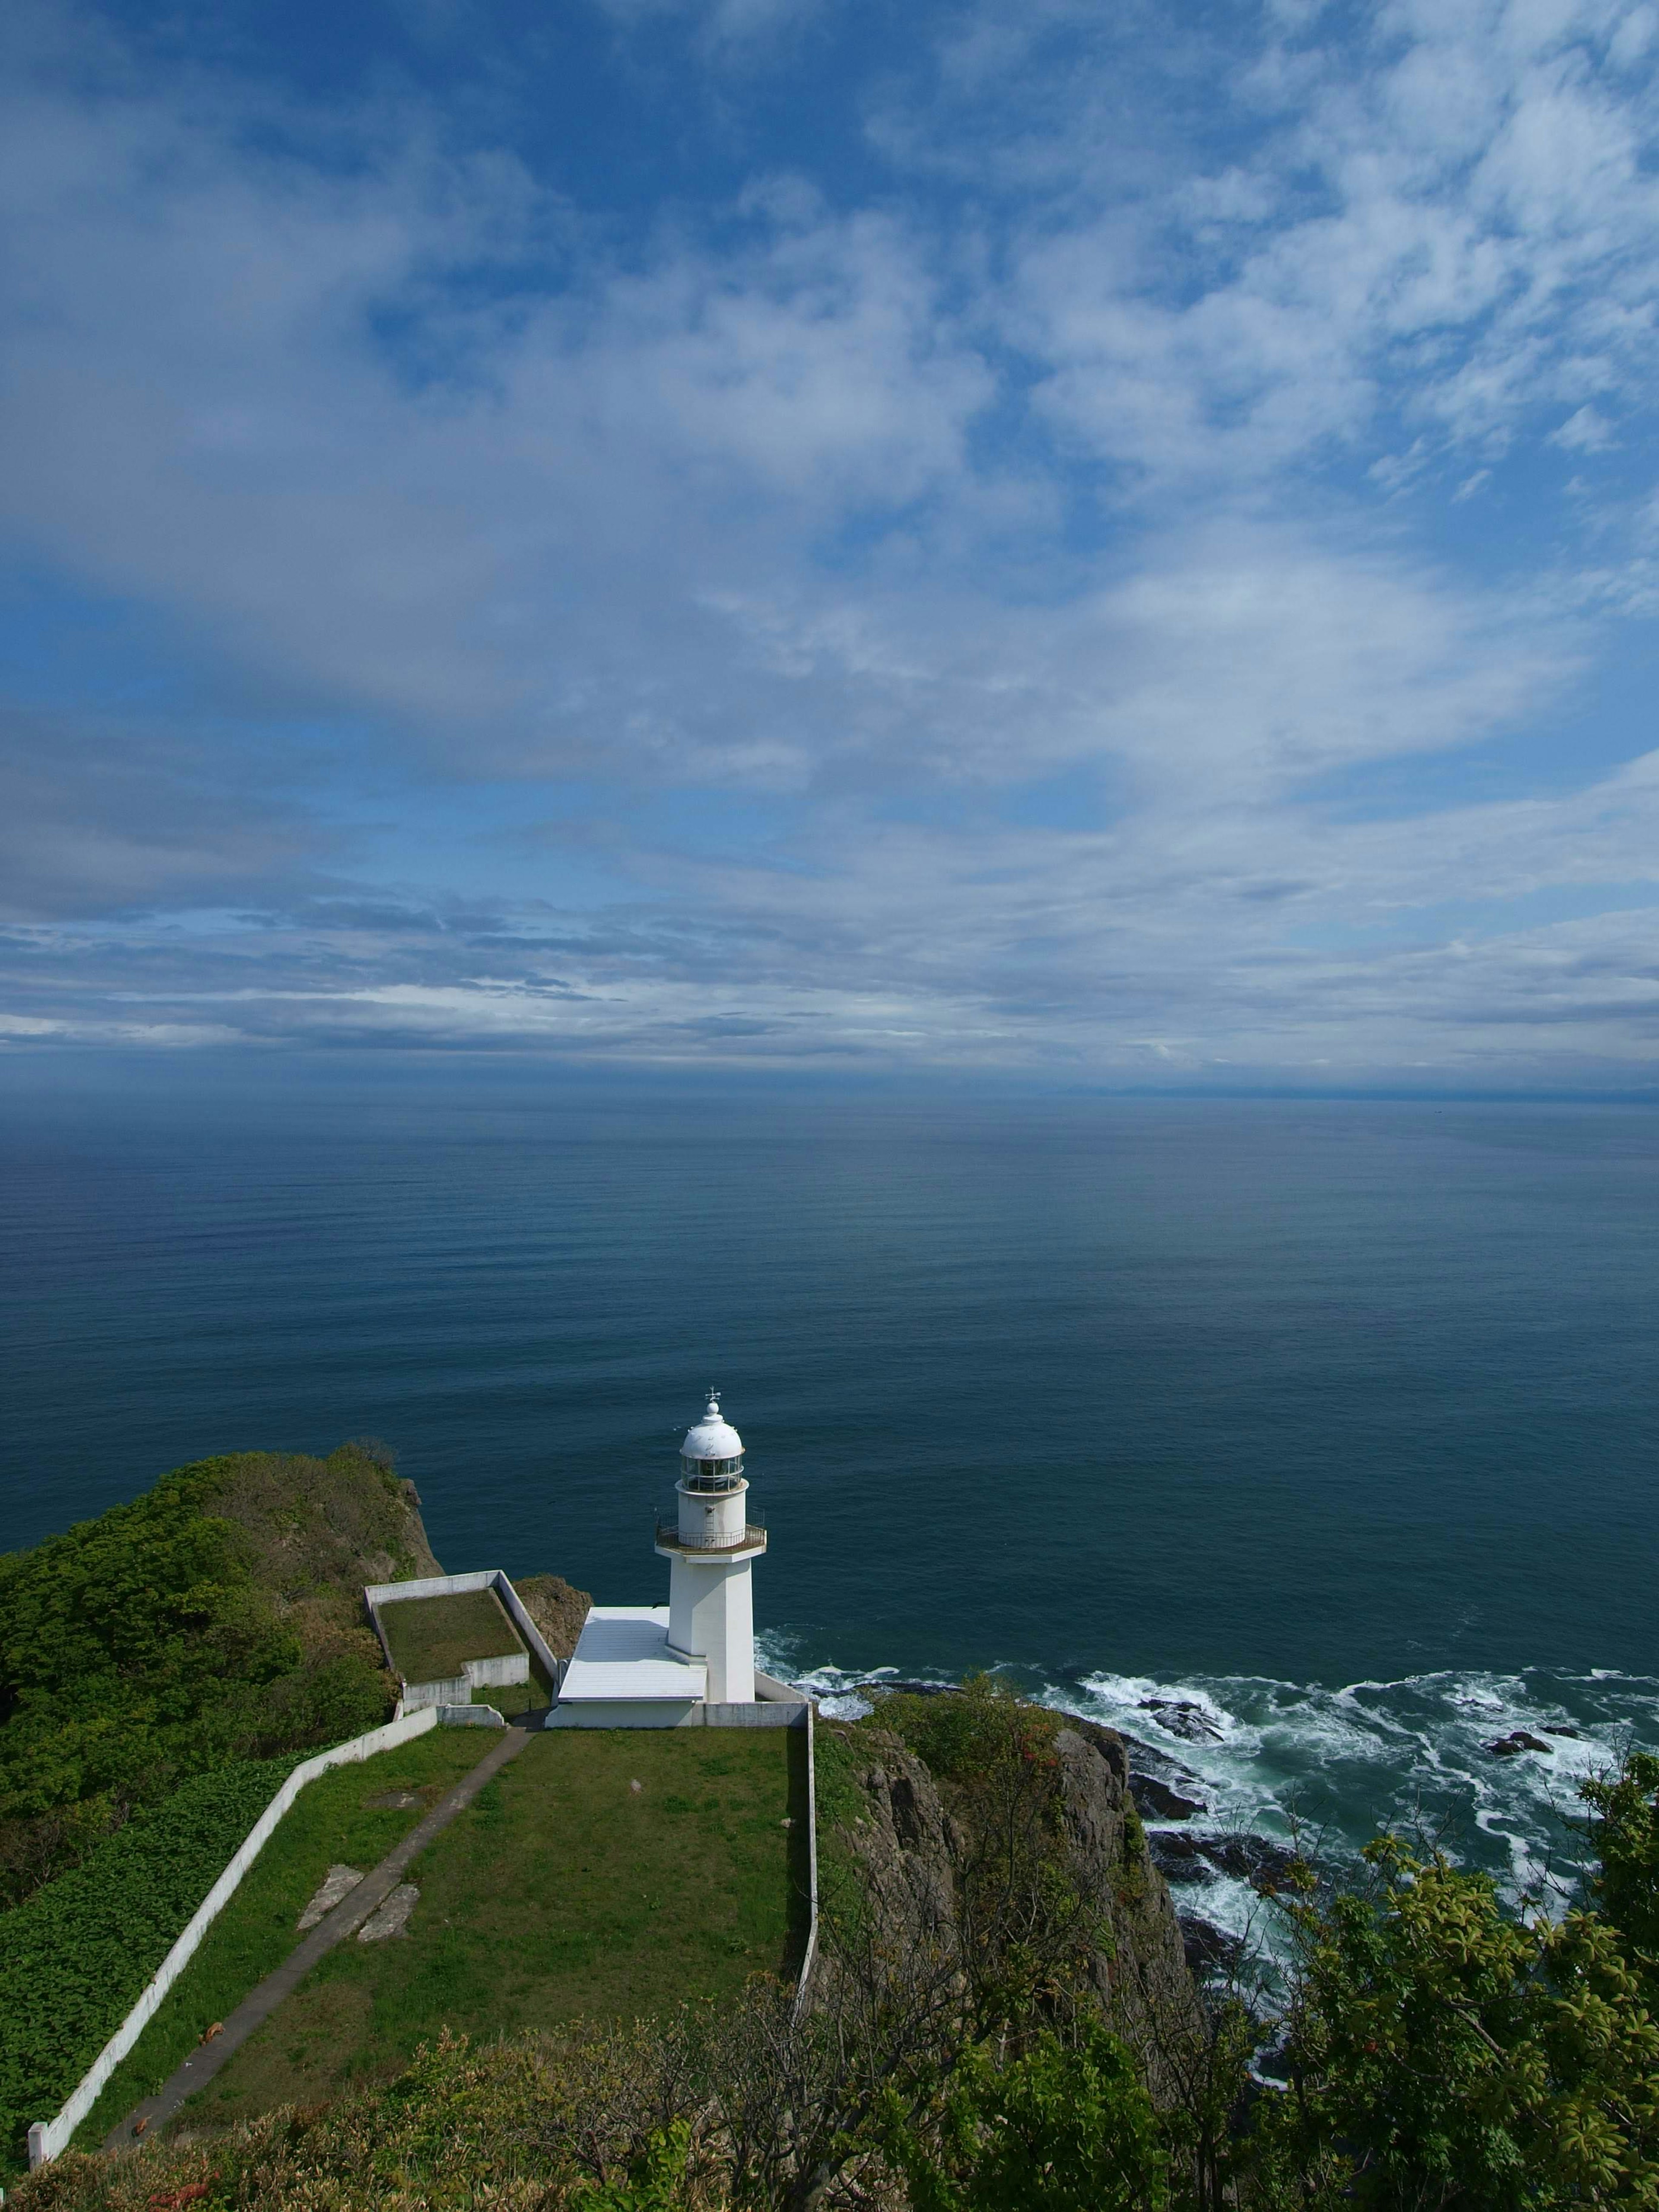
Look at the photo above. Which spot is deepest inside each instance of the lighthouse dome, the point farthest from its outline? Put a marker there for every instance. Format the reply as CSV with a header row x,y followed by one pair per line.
x,y
712,1438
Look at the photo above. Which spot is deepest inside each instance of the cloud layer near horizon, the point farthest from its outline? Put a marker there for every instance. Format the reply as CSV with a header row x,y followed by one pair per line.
x,y
1021,544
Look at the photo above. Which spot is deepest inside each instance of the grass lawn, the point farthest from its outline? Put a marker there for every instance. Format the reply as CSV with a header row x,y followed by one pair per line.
x,y
562,1892
431,1636
331,1821
510,1697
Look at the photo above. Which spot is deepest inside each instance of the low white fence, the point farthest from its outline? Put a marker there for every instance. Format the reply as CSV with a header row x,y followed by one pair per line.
x,y
809,1954
48,2138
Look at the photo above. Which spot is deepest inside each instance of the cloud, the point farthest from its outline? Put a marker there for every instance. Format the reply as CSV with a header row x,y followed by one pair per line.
x,y
1585,432
943,622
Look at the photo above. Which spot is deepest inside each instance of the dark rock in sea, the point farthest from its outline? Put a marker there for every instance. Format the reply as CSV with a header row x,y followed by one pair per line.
x,y
1209,1950
1517,1741
1184,1858
1179,1858
1183,1718
1561,1731
1155,1800
1249,1858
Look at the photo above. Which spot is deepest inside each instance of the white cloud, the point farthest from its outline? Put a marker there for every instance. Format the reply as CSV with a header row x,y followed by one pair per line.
x,y
1585,432
882,521
1469,235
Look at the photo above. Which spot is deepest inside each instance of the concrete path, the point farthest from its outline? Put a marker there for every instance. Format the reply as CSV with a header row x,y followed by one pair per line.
x,y
347,1917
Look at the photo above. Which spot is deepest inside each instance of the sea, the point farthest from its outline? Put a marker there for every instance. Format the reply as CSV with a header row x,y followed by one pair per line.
x,y
1314,1444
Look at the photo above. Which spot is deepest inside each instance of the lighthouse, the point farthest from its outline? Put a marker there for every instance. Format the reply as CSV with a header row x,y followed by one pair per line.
x,y
689,1664
711,1545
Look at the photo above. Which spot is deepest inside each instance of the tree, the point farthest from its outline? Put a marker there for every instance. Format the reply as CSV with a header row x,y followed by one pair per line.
x,y
1064,2128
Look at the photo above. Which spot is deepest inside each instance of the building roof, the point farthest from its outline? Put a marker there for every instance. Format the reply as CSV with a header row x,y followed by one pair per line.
x,y
623,1652
712,1437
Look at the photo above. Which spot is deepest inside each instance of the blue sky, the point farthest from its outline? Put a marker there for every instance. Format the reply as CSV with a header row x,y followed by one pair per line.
x,y
1117,544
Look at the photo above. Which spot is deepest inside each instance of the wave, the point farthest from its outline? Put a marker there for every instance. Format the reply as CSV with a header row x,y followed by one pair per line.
x,y
1271,1763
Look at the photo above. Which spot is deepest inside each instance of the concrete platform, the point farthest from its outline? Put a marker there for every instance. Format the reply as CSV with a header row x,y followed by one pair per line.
x,y
623,1675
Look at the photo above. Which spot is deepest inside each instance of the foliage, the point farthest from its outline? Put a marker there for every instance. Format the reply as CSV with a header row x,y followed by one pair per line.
x,y
964,1736
73,1957
1625,1835
655,2179
1442,2053
210,1620
1065,2128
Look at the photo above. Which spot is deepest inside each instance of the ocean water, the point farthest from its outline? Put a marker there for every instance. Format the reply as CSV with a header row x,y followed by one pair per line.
x,y
1315,1444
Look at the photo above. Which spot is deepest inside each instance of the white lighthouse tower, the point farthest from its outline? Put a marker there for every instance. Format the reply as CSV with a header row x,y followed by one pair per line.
x,y
687,1663
711,1545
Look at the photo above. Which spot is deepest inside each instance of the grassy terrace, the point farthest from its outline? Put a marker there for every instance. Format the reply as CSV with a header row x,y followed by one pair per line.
x,y
341,1817
431,1636
563,1891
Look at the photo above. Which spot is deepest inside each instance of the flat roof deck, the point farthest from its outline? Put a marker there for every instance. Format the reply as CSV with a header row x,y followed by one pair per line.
x,y
622,1654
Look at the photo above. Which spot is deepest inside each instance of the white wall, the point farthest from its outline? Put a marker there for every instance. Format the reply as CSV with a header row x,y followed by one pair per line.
x,y
629,1712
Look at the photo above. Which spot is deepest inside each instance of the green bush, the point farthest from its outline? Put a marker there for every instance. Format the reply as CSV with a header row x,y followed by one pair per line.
x,y
960,1736
75,1957
1062,2129
208,1620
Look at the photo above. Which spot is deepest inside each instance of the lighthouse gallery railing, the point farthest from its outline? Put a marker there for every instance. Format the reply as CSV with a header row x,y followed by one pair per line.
x,y
723,1540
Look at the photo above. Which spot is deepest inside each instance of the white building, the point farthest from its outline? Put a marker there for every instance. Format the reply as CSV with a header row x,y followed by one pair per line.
x,y
638,1665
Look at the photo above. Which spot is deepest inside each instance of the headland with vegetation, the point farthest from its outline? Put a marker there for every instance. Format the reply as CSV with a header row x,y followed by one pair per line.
x,y
596,2006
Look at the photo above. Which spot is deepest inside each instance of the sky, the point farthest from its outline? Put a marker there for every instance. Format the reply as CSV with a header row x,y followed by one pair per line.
x,y
1104,543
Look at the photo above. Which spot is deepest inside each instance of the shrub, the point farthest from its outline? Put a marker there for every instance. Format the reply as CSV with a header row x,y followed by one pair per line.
x,y
217,1618
75,1957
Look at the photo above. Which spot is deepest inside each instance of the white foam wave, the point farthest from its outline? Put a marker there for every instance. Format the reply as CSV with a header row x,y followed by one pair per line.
x,y
1332,1767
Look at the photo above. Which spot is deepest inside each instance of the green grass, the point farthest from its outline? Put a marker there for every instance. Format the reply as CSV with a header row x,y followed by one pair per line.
x,y
561,1893
329,1821
510,1697
430,1637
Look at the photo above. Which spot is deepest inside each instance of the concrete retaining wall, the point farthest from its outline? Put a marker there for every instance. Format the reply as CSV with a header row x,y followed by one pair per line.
x,y
775,1712
629,1712
476,1672
48,2138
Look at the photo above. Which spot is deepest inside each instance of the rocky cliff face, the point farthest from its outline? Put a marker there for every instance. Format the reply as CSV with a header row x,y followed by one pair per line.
x,y
556,1609
911,1854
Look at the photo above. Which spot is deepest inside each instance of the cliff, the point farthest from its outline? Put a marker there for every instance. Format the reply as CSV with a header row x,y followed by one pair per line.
x,y
998,1857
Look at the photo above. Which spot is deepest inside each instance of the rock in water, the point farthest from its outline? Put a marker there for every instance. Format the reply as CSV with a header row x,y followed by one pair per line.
x,y
1211,1951
1183,1717
1155,1800
391,1918
339,1881
1517,1741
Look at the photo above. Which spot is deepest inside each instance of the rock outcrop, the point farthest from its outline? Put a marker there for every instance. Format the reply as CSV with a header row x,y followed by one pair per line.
x,y
556,1609
911,1850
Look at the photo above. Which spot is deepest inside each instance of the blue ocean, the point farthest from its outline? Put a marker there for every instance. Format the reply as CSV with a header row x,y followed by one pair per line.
x,y
1315,1443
